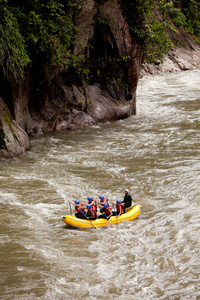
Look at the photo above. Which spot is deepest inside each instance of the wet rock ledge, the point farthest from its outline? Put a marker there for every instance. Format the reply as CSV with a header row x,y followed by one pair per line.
x,y
184,56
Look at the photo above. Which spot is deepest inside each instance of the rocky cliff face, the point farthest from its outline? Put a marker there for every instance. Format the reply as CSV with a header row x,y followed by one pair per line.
x,y
184,56
73,103
13,139
70,101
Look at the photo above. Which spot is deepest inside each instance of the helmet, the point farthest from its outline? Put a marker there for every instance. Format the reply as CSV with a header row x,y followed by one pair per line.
x,y
101,197
126,190
89,206
77,202
90,199
118,201
105,205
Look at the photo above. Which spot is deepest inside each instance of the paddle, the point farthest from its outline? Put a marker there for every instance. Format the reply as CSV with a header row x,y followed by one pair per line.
x,y
88,219
105,215
70,208
115,211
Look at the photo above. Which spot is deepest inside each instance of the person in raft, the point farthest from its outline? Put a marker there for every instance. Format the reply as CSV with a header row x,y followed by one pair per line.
x,y
91,213
127,199
92,202
119,208
79,209
102,200
106,211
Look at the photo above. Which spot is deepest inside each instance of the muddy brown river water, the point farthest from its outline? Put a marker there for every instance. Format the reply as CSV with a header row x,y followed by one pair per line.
x,y
156,154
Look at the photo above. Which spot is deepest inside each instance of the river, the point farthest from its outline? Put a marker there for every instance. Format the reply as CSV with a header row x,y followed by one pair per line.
x,y
156,155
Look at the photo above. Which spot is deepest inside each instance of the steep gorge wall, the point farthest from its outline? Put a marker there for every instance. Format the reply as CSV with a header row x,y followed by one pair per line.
x,y
13,139
70,102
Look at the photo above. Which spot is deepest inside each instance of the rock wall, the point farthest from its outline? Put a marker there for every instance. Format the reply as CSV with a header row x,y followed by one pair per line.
x,y
184,56
179,59
70,102
13,139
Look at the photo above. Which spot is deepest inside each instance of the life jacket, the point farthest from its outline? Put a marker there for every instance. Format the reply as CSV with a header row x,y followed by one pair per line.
x,y
79,209
102,201
118,207
106,210
92,209
95,205
106,201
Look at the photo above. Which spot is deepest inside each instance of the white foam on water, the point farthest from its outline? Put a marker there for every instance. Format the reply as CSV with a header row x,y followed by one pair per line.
x,y
156,155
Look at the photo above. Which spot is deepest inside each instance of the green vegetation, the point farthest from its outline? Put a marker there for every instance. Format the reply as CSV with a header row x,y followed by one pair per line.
x,y
188,16
148,26
8,120
13,56
36,32
41,34
150,22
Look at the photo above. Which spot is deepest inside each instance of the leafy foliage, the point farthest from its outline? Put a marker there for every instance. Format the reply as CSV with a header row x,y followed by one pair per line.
x,y
148,25
148,21
50,33
34,31
13,54
191,10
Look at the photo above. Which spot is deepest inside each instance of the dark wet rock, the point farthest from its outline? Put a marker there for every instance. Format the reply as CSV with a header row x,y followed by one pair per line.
x,y
102,106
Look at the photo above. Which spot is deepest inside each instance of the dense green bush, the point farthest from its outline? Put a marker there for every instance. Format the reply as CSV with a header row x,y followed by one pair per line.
x,y
148,21
41,32
13,54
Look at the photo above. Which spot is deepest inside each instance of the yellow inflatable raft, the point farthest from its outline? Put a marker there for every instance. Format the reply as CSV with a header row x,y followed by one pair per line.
x,y
130,214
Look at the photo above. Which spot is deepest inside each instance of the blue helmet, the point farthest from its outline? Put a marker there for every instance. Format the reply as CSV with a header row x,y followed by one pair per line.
x,y
77,202
101,197
90,199
105,204
118,201
89,206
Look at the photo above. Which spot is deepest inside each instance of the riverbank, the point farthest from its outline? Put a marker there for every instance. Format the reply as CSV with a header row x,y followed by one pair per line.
x,y
185,55
175,61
